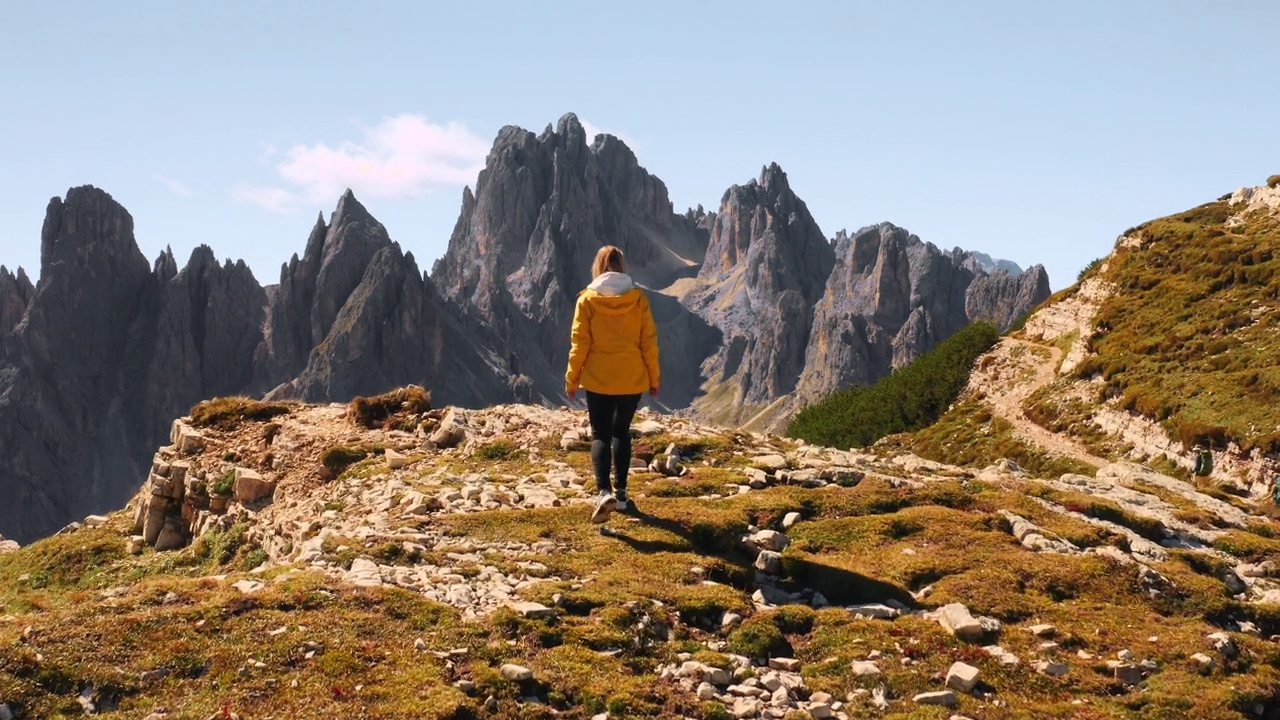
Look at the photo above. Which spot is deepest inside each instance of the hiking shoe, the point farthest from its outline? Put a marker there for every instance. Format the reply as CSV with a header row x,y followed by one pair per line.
x,y
623,503
604,505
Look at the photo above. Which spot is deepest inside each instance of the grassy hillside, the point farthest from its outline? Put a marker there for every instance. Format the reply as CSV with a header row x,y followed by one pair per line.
x,y
268,615
1190,337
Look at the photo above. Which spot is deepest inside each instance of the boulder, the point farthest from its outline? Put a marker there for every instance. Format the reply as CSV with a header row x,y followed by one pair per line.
x,y
251,487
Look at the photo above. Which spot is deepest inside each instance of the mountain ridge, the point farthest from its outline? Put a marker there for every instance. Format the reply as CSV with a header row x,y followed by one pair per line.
x,y
355,315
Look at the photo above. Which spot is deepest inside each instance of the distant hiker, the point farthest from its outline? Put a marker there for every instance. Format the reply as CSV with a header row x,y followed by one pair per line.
x,y
614,357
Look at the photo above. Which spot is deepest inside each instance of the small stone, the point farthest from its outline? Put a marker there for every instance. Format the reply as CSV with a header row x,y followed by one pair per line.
x,y
962,677
1206,663
956,619
747,708
865,668
790,519
944,697
466,686
820,711
877,611
247,586
517,673
785,664
730,620
706,691
250,486
1052,668
1043,631
395,460
770,540
1127,673
769,562
770,462
1223,644
134,544
533,611
419,644
1125,655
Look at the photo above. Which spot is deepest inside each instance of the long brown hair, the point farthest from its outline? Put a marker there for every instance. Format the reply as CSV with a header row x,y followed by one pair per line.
x,y
609,259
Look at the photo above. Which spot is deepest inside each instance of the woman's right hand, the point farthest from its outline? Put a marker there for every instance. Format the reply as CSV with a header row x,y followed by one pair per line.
x,y
653,391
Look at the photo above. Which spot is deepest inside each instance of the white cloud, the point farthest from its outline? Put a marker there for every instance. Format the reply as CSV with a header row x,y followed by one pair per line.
x,y
592,130
277,200
403,156
176,187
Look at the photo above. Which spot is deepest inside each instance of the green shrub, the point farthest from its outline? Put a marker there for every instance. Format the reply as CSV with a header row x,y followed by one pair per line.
x,y
1273,181
340,457
911,398
224,484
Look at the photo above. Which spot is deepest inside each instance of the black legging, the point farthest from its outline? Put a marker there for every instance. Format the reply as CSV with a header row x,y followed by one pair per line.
x,y
610,417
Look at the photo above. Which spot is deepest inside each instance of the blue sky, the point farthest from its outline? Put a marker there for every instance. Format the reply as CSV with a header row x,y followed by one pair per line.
x,y
1034,131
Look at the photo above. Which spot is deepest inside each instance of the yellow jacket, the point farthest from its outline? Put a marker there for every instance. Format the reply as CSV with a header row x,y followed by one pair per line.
x,y
614,347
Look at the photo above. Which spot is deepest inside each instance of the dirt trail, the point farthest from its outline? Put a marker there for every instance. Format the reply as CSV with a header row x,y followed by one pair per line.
x,y
1020,370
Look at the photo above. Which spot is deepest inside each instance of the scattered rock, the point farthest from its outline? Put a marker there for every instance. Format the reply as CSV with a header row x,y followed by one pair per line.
x,y
1044,631
1052,668
248,587
877,611
943,697
865,668
516,673
1223,644
956,619
790,519
785,664
770,562
395,460
533,611
962,677
1204,662
1127,673
770,462
1001,655
251,487
770,540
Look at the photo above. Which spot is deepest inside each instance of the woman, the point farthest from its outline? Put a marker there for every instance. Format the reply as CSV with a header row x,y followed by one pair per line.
x,y
614,357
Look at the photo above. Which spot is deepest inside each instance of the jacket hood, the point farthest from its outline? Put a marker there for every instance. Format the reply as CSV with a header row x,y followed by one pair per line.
x,y
613,293
612,284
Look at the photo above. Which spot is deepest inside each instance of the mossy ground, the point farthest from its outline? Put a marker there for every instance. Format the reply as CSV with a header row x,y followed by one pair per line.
x,y
678,562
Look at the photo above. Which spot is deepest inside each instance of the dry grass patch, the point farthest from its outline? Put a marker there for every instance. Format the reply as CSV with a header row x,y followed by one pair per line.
x,y
228,412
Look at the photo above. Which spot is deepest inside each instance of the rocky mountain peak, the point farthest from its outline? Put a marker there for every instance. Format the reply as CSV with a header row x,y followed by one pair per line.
x,y
16,292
